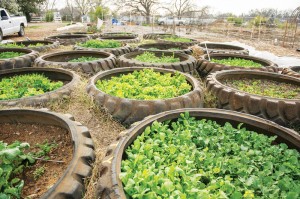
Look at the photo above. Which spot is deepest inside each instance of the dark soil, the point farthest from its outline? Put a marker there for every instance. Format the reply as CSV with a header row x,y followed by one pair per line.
x,y
60,155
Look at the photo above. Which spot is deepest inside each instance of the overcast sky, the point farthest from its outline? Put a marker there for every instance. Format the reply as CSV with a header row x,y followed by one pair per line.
x,y
236,6
244,6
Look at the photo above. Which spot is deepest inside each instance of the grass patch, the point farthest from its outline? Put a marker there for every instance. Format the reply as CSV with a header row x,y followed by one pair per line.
x,y
150,57
84,59
94,43
237,62
7,55
145,85
265,87
26,85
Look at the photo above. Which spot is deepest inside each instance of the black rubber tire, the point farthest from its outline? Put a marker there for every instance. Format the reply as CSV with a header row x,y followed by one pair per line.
x,y
183,44
68,39
109,184
20,61
70,79
47,45
222,48
124,39
281,111
106,61
21,33
206,67
292,71
163,47
155,36
116,51
116,34
187,64
128,111
89,34
71,183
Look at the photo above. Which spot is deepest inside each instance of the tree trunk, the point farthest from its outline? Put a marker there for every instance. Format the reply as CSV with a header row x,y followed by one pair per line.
x,y
28,17
148,19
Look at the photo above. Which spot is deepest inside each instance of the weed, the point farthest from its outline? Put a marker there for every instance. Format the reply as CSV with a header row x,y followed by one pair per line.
x,y
38,172
84,59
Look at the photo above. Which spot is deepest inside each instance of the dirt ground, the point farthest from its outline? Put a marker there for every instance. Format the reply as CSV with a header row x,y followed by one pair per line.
x,y
102,127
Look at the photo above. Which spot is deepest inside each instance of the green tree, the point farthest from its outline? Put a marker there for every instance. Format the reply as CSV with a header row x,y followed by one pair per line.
x,y
10,5
100,12
29,6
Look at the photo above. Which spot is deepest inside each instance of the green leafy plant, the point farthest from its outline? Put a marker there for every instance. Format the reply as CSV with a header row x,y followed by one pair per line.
x,y
44,149
13,159
49,16
94,43
35,45
150,57
177,39
38,172
191,158
26,85
266,88
12,45
145,84
84,59
237,62
7,55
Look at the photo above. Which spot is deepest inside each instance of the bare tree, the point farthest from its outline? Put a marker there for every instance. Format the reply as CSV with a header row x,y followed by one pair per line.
x,y
179,7
143,7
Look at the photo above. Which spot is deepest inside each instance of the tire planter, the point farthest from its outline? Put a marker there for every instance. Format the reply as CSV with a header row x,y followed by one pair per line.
x,y
116,51
183,44
68,39
223,48
109,184
47,45
164,47
90,34
128,111
281,111
292,71
206,67
69,78
116,34
187,62
124,39
155,36
71,183
106,61
20,61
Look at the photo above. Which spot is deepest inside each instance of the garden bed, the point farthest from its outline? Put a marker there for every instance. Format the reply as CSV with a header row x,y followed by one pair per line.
x,y
208,63
163,47
177,155
184,42
68,39
210,48
66,143
104,61
155,36
184,63
121,37
115,47
277,104
37,45
132,104
35,86
11,58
